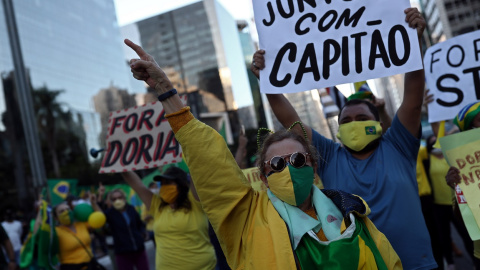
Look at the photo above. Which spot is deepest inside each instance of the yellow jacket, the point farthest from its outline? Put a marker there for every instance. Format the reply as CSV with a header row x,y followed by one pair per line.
x,y
251,232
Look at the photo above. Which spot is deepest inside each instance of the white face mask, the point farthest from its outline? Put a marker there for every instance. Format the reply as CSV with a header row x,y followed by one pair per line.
x,y
155,190
436,151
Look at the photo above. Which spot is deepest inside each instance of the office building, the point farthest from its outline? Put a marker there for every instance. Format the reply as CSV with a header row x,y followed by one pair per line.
x,y
71,50
200,43
450,18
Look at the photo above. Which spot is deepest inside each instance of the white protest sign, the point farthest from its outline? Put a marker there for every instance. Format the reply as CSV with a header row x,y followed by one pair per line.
x,y
140,138
312,44
452,71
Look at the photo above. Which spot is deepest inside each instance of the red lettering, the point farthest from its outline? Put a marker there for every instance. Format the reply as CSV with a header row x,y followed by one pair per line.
x,y
477,173
477,156
128,125
161,118
461,163
470,159
468,178
116,123
145,119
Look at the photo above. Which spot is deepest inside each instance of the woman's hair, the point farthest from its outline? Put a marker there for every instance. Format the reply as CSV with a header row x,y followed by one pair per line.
x,y
119,190
183,186
280,136
54,210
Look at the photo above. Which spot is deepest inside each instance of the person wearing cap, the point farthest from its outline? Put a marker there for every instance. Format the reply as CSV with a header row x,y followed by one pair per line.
x,y
293,225
467,119
179,224
366,94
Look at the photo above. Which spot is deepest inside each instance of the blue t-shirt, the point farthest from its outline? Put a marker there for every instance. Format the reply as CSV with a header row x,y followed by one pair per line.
x,y
387,182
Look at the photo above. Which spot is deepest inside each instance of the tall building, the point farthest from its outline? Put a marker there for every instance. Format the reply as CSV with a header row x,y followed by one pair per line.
x,y
71,50
200,43
450,18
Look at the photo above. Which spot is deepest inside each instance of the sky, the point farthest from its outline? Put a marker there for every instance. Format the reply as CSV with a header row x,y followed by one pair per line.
x,y
129,11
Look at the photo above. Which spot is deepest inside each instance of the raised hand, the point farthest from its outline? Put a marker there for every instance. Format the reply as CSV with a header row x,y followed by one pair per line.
x,y
146,69
258,63
379,103
415,20
101,189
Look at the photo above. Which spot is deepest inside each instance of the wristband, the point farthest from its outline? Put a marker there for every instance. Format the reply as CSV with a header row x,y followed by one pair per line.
x,y
167,94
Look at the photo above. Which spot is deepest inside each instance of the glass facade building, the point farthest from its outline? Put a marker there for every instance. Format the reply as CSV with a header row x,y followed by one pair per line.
x,y
198,45
72,50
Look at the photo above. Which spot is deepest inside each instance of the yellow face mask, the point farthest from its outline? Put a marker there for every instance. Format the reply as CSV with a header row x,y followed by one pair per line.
x,y
358,134
169,193
292,185
66,217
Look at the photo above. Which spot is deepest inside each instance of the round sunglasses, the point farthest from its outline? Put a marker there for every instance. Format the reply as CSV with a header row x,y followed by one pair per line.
x,y
278,163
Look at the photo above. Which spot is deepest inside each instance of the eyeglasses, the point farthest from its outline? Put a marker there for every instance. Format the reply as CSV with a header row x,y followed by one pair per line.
x,y
297,160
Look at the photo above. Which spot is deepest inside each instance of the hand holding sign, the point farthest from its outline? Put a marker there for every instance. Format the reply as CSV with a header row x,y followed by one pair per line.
x,y
453,177
415,20
146,69
258,63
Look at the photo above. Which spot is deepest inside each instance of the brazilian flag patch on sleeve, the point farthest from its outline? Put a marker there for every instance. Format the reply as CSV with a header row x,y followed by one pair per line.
x,y
370,130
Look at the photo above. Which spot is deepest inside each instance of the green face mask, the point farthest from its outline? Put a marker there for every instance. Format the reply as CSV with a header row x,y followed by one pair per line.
x,y
66,217
292,185
358,134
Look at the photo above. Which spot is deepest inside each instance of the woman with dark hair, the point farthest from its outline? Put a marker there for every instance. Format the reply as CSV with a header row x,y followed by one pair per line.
x,y
180,225
293,225
74,251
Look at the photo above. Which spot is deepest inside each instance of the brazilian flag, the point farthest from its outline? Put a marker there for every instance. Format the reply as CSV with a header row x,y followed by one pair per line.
x,y
370,130
59,189
356,252
46,241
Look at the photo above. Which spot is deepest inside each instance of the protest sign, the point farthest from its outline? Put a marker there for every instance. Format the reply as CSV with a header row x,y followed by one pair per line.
x,y
462,150
452,71
313,44
467,215
139,138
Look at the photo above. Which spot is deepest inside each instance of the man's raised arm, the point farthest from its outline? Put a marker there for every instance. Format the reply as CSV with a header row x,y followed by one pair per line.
x,y
281,107
411,107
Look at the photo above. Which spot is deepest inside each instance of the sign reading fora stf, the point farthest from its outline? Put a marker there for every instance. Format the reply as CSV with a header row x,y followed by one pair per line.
x,y
139,138
452,71
310,44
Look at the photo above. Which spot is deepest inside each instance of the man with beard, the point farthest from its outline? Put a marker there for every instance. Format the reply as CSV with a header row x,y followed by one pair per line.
x,y
381,168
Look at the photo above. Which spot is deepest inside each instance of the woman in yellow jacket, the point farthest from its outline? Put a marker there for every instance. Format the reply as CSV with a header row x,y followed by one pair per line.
x,y
293,225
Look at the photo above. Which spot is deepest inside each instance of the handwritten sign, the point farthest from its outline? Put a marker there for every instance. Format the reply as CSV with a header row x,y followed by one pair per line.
x,y
313,44
140,138
462,150
452,71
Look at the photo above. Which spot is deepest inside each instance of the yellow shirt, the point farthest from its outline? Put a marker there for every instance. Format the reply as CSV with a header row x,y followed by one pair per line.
x,y
422,180
145,213
442,193
182,237
70,250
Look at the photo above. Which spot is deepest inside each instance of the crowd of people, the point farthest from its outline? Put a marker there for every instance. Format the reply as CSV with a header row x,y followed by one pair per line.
x,y
386,201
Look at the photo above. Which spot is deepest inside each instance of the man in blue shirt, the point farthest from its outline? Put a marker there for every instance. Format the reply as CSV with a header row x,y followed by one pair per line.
x,y
381,168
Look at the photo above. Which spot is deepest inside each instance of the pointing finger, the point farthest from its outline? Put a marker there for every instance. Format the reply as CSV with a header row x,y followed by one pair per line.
x,y
140,52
